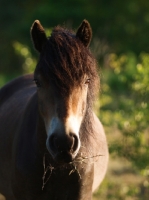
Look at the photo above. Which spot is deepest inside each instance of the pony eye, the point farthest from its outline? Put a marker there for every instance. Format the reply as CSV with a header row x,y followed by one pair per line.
x,y
87,81
37,83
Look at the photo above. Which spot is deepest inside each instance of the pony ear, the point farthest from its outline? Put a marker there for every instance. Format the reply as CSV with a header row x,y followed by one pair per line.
x,y
84,33
38,35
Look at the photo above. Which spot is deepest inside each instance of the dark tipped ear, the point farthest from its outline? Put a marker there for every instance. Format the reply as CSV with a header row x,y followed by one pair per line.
x,y
38,35
84,33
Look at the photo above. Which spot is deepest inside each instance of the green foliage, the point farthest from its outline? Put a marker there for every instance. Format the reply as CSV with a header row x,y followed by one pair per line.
x,y
25,55
123,26
124,110
126,93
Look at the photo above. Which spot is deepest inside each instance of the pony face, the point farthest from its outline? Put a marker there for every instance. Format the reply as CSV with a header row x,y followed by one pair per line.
x,y
63,77
63,116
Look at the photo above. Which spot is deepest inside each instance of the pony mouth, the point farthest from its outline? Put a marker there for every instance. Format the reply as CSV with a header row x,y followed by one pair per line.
x,y
63,157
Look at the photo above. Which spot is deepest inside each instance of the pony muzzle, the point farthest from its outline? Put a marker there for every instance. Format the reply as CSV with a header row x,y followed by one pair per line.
x,y
62,143
63,148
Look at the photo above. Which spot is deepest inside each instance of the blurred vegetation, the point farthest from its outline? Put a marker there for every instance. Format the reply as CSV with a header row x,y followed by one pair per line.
x,y
124,110
120,25
121,46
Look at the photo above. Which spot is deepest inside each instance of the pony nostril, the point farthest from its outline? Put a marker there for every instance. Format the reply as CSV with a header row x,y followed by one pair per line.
x,y
75,142
52,143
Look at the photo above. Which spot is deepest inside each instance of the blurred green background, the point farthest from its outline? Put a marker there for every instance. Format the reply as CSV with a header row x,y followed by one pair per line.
x,y
121,45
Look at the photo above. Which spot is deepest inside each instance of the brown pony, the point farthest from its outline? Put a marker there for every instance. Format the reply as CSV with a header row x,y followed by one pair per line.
x,y
52,145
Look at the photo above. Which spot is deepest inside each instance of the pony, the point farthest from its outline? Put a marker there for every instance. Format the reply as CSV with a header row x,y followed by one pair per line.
x,y
52,145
